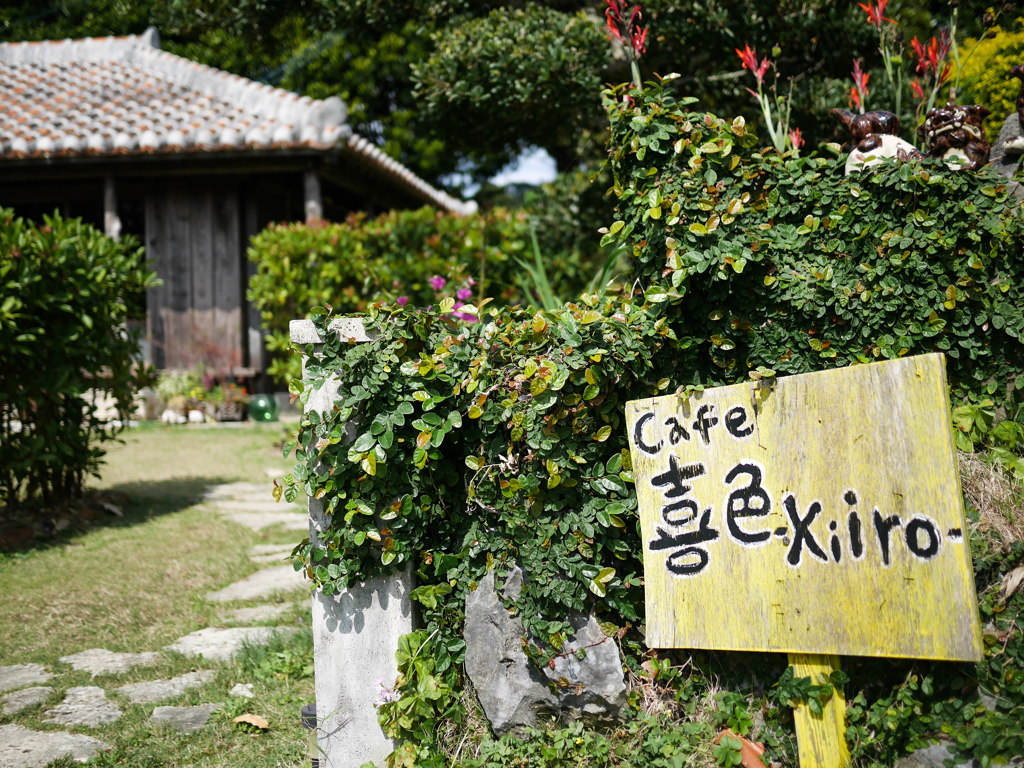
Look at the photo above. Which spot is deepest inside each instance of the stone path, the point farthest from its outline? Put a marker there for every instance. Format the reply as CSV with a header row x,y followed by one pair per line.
x,y
25,698
251,505
158,690
245,503
184,719
84,705
220,644
256,613
20,675
23,748
100,661
269,581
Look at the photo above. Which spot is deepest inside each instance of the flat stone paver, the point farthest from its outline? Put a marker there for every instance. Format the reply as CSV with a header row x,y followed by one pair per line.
x,y
25,698
158,690
84,705
277,557
230,490
246,505
256,613
20,675
24,748
184,719
269,581
269,549
220,643
257,521
243,690
100,661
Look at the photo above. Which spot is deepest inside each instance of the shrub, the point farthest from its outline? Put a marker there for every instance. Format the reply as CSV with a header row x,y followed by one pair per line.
x,y
65,290
482,444
983,76
351,264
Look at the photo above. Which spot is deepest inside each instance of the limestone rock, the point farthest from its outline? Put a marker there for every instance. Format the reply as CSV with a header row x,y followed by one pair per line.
x,y
24,748
932,756
25,698
184,719
515,693
20,675
262,584
158,690
1007,159
243,690
100,661
220,644
84,705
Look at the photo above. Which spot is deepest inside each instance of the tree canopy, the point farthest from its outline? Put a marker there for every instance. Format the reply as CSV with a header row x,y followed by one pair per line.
x,y
455,85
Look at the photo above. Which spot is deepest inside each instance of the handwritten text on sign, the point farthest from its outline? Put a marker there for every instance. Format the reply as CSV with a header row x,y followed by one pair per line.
x,y
826,518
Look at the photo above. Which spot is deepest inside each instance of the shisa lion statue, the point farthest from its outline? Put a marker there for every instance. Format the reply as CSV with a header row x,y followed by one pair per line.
x,y
956,135
873,137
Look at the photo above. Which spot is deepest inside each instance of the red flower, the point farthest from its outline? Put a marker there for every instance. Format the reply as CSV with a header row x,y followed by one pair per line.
x,y
796,139
749,59
929,59
621,30
918,90
875,17
860,78
855,98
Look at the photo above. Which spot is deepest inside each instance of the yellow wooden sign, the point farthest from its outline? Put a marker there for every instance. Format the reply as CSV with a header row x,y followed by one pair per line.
x,y
818,514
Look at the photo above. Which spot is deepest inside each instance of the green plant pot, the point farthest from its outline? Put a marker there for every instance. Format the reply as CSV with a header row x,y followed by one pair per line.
x,y
263,408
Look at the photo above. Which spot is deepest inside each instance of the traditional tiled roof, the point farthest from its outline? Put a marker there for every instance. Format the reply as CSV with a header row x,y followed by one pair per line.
x,y
124,96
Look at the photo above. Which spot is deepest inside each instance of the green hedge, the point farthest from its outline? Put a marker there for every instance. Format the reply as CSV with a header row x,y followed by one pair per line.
x,y
65,293
351,264
487,443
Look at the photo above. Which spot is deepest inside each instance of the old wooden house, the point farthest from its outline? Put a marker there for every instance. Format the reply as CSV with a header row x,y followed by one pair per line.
x,y
191,160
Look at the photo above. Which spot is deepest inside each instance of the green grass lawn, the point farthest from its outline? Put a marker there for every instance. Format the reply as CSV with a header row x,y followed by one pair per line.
x,y
136,584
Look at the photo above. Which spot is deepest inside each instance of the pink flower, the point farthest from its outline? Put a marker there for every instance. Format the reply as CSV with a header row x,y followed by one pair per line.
x,y
749,58
437,282
464,294
402,300
796,139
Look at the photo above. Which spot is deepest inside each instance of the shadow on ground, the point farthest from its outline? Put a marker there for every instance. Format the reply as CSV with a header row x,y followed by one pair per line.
x,y
25,530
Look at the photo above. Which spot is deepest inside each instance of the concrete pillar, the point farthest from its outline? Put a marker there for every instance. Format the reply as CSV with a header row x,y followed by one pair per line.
x,y
314,203
111,221
355,632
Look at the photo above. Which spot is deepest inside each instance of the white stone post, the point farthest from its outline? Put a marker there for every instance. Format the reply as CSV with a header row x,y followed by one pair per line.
x,y
111,221
314,202
356,632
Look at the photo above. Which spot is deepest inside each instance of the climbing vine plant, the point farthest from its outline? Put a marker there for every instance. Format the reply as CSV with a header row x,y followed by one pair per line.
x,y
457,447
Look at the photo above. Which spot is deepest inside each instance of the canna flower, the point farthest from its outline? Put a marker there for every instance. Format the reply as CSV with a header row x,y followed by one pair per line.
x,y
931,56
859,92
874,12
626,32
918,90
749,58
796,139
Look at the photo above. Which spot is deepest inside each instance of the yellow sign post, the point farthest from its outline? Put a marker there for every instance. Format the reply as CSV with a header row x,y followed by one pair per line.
x,y
818,515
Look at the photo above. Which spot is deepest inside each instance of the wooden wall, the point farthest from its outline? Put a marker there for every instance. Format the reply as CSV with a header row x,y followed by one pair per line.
x,y
193,239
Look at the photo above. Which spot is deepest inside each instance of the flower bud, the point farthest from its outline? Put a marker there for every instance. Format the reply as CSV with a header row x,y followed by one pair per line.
x,y
987,20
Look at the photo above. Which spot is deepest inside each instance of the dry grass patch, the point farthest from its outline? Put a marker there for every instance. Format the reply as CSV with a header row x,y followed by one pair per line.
x,y
997,496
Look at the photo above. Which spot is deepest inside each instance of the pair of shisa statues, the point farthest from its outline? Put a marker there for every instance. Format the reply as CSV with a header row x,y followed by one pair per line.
x,y
953,133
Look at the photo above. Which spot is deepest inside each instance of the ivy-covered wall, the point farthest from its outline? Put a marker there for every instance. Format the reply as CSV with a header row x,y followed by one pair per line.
x,y
484,443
